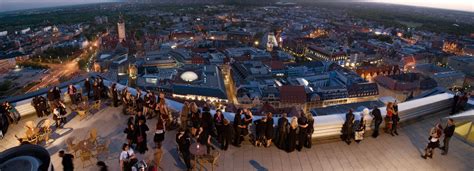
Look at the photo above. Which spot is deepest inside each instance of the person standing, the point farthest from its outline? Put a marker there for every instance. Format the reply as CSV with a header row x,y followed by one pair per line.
x,y
57,93
454,107
87,87
150,102
159,133
139,117
269,131
347,128
114,93
435,134
310,131
206,120
228,134
127,158
360,126
292,135
303,134
448,133
395,119
35,102
388,118
282,132
247,120
43,105
238,127
131,133
184,115
204,138
96,89
377,121
219,124
67,161
463,101
71,91
260,126
142,128
183,139
51,101
195,118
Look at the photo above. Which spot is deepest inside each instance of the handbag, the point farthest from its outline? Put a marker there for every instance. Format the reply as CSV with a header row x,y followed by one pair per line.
x,y
359,135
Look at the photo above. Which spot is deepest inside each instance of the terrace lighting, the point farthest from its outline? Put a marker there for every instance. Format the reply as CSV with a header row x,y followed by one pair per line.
x,y
256,43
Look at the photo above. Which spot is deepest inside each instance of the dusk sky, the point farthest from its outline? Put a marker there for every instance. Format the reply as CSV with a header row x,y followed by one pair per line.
x,y
9,5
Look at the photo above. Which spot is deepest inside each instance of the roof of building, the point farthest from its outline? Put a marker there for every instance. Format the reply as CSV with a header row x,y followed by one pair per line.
x,y
292,94
199,90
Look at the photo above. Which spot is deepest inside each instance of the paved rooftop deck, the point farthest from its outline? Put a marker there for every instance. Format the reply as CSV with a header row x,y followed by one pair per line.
x,y
384,153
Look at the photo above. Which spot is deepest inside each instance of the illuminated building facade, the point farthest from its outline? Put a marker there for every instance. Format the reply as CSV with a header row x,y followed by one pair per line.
x,y
121,29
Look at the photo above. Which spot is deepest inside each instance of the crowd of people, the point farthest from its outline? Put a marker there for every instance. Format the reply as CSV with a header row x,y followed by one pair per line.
x,y
8,115
199,124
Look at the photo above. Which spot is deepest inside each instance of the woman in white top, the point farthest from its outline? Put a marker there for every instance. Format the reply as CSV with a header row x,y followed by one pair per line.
x,y
127,158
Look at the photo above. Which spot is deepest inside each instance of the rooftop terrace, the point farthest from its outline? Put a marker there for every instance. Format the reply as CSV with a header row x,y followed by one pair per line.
x,y
384,153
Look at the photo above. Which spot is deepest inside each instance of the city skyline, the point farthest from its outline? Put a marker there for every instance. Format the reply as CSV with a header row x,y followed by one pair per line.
x,y
12,5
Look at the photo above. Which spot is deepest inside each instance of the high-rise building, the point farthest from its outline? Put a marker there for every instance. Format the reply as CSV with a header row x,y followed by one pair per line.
x,y
121,29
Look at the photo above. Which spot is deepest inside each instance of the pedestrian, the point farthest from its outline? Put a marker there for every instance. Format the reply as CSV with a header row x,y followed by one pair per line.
x,y
127,158
131,133
102,166
142,128
302,134
206,120
433,141
454,107
448,133
204,138
67,161
195,118
292,135
114,93
12,113
139,117
310,131
87,87
227,133
35,102
159,133
150,102
57,93
377,121
184,115
395,119
96,90
247,120
51,100
388,118
360,126
260,127
72,93
238,127
57,117
183,139
463,101
219,124
347,127
269,130
282,132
